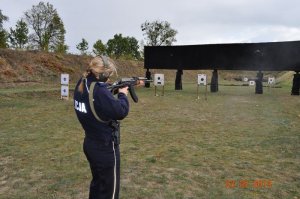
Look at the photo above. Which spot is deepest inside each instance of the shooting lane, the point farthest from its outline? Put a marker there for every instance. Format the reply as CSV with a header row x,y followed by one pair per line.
x,y
269,56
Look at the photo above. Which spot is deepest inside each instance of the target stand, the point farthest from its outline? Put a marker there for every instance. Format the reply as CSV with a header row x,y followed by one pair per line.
x,y
159,81
202,80
64,87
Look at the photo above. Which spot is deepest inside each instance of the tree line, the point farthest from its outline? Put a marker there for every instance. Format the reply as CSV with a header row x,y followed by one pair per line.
x,y
41,28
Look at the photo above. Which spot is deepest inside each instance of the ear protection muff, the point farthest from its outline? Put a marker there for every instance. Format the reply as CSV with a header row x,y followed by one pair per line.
x,y
105,60
103,77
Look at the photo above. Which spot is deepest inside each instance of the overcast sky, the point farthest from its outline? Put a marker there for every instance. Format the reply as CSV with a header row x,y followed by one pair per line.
x,y
197,21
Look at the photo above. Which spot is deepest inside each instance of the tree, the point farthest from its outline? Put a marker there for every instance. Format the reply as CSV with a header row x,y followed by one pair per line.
x,y
2,19
57,42
3,33
99,48
123,46
133,48
3,39
158,33
60,48
83,46
141,48
19,37
48,28
115,46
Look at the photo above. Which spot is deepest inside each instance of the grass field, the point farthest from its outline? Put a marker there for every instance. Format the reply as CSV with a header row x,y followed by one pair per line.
x,y
235,144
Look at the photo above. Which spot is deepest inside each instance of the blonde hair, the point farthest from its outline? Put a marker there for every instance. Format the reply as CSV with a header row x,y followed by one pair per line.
x,y
101,65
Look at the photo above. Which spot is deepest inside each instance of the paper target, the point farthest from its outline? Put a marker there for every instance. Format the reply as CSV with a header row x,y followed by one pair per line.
x,y
159,80
251,83
64,79
64,91
271,80
202,79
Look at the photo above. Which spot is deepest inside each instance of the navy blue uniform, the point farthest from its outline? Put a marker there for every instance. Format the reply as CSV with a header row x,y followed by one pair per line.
x,y
99,147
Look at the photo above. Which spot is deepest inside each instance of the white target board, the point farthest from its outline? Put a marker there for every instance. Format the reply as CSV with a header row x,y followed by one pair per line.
x,y
271,80
202,79
64,79
251,83
159,80
64,90
245,79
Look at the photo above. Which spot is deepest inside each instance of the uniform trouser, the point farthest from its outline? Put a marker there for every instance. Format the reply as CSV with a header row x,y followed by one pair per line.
x,y
104,160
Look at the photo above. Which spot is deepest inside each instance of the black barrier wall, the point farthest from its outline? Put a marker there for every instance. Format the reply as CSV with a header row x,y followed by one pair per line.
x,y
271,56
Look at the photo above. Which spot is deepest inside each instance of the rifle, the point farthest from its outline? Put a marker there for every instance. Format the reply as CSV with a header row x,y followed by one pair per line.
x,y
130,82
